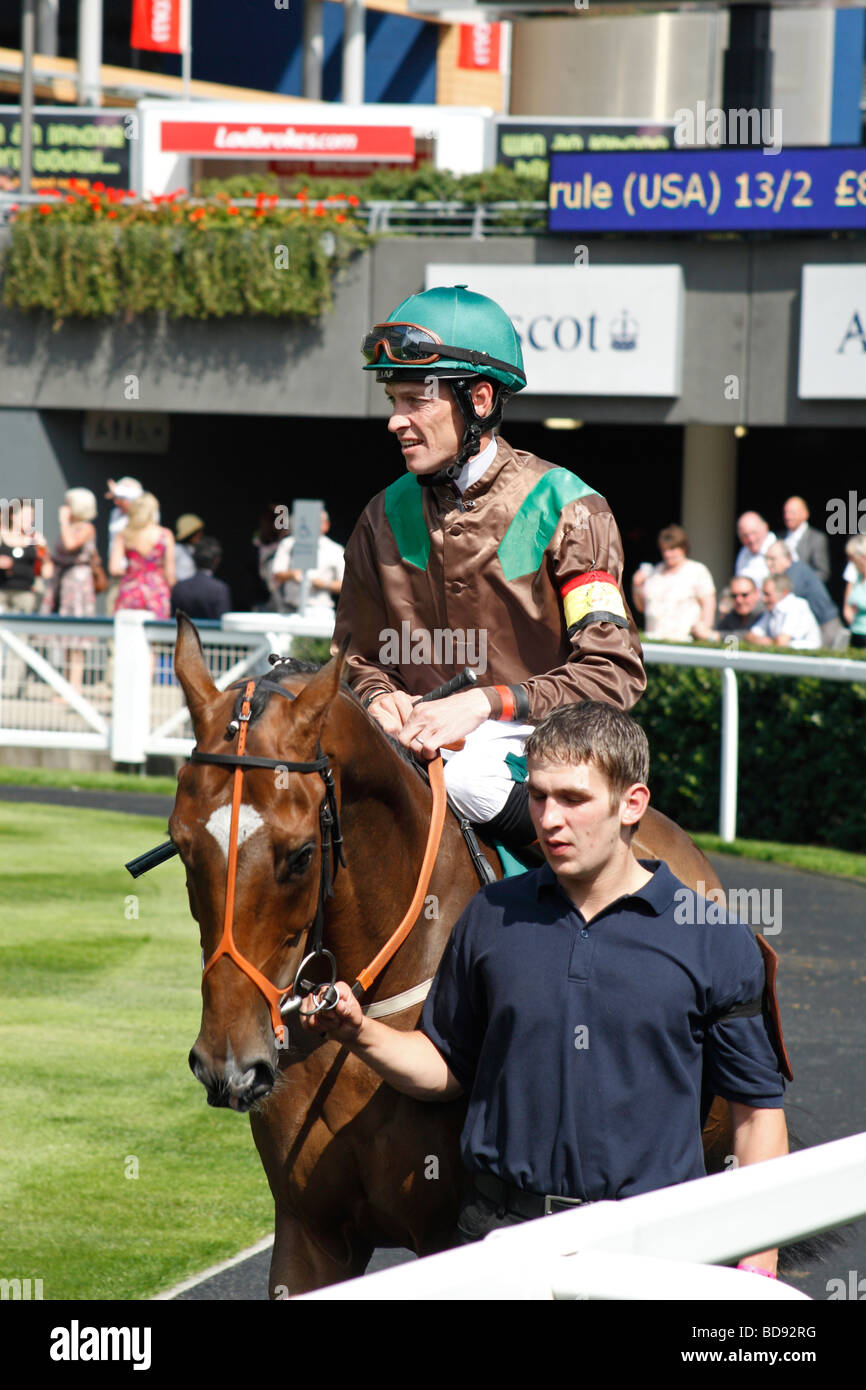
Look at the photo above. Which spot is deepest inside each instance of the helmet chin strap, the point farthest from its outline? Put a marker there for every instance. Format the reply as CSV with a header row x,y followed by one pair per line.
x,y
476,425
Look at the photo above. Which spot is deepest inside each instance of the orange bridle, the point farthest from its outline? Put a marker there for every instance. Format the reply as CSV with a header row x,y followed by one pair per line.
x,y
279,1000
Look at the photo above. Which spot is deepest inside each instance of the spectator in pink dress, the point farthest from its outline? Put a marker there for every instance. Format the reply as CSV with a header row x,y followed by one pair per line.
x,y
143,553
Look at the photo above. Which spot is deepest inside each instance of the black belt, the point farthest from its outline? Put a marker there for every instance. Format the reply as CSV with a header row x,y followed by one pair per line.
x,y
528,1205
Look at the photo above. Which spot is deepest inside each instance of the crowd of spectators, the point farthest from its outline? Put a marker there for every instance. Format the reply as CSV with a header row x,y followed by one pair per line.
x,y
150,567
776,597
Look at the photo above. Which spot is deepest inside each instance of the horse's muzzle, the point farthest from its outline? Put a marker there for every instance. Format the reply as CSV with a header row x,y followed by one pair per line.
x,y
238,1088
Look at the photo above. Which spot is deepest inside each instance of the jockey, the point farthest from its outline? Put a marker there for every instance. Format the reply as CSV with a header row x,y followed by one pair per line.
x,y
481,556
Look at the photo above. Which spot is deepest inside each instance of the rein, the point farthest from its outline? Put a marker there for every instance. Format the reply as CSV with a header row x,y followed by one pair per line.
x,y
282,1001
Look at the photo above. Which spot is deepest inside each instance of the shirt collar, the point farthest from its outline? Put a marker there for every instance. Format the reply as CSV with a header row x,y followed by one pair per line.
x,y
658,893
476,467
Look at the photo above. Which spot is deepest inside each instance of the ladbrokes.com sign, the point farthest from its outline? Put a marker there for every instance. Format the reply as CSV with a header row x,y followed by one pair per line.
x,y
237,138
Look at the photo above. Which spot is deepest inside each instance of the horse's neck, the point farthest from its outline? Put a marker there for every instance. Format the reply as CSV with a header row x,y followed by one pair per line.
x,y
386,813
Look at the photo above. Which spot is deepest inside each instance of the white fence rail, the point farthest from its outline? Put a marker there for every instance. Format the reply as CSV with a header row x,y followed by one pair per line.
x,y
730,661
662,1245
108,685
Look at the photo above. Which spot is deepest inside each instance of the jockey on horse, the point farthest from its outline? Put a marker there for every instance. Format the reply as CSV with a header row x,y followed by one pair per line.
x,y
476,533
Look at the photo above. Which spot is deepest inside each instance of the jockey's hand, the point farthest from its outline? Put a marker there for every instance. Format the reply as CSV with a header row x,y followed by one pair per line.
x,y
392,711
441,722
342,1023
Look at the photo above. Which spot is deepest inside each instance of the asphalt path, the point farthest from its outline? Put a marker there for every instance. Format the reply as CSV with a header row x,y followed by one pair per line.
x,y
816,923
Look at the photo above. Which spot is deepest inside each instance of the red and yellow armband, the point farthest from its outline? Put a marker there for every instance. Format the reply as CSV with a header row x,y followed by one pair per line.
x,y
593,597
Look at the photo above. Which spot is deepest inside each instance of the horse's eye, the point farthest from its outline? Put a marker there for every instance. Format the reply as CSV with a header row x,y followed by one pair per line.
x,y
298,861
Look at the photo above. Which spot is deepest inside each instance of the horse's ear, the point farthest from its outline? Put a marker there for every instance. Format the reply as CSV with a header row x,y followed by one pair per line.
x,y
191,668
312,704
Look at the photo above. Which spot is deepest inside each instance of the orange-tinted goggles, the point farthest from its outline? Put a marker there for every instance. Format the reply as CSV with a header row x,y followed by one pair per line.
x,y
403,342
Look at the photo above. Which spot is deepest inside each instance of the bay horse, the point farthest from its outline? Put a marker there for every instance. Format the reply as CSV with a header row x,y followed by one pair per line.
x,y
351,1163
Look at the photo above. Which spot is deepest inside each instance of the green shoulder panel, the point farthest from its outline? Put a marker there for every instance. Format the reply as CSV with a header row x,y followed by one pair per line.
x,y
524,543
404,508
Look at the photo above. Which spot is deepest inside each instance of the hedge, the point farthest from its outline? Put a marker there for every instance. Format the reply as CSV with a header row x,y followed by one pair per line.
x,y
800,765
95,254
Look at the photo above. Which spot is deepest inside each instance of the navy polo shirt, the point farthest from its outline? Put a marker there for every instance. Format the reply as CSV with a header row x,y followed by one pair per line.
x,y
581,1044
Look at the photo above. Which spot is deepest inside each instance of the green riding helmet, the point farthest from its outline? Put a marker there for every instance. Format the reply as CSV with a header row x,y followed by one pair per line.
x,y
458,335
469,323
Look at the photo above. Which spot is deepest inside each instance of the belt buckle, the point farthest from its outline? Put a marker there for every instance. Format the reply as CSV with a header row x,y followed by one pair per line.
x,y
552,1203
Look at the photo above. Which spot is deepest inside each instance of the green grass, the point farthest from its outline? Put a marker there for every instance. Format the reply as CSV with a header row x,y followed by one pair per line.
x,y
815,858
101,781
100,978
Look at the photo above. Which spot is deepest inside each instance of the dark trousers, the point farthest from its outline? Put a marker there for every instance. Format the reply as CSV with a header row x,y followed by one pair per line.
x,y
479,1216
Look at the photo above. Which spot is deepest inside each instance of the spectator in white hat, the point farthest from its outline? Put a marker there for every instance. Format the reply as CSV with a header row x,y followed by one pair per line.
x,y
122,493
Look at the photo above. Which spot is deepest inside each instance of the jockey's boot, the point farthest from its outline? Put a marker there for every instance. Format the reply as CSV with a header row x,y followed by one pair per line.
x,y
512,826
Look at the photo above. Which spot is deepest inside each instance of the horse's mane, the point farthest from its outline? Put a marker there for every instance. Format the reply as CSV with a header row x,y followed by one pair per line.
x,y
289,666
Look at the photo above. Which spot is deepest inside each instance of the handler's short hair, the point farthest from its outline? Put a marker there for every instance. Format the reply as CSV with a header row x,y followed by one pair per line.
x,y
594,731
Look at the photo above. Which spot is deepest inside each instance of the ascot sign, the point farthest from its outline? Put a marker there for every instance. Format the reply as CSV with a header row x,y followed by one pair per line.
x,y
833,333
587,330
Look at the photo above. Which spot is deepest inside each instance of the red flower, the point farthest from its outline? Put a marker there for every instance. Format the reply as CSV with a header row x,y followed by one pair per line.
x,y
353,200
99,187
233,212
112,214
319,211
341,217
45,208
70,198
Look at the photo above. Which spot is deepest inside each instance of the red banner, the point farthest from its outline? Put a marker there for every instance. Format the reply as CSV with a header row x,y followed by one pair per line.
x,y
479,47
157,25
287,141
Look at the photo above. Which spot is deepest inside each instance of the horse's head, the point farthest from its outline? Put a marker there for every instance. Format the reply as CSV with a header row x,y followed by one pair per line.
x,y
279,857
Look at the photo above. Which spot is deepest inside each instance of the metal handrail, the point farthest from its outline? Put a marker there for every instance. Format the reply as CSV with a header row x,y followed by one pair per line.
x,y
380,216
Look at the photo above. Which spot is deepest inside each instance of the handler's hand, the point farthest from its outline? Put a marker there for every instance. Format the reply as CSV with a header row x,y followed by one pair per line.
x,y
392,711
342,1023
442,722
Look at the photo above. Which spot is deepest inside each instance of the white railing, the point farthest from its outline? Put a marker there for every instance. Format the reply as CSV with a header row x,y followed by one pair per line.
x,y
729,661
108,685
661,1245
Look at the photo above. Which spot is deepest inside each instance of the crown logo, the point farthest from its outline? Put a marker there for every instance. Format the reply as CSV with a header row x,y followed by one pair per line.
x,y
623,333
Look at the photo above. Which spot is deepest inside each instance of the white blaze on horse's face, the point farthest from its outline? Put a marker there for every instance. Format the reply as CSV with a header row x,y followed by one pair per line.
x,y
220,823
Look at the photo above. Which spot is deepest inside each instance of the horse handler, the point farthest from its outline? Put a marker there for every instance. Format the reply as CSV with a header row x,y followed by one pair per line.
x,y
580,1006
479,556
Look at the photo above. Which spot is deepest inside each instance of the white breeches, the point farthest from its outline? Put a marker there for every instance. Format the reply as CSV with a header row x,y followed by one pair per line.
x,y
477,778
